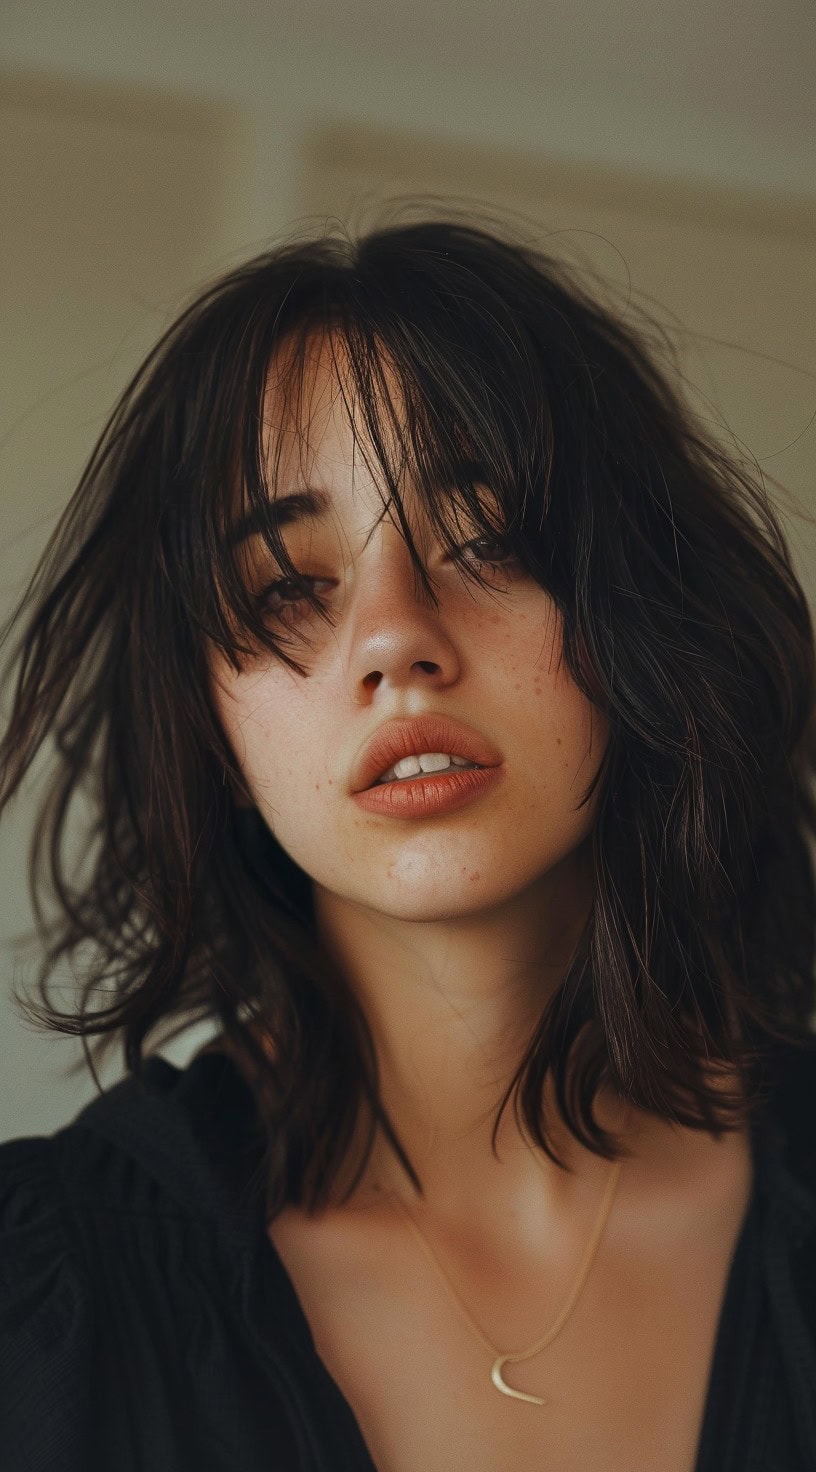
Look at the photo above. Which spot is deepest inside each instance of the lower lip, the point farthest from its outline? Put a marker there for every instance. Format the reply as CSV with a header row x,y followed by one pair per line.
x,y
425,797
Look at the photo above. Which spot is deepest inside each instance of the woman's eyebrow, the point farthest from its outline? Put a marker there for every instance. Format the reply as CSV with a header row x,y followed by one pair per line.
x,y
280,511
308,503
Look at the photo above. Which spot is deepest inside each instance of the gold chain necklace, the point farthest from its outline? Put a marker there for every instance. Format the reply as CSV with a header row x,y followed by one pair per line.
x,y
500,1360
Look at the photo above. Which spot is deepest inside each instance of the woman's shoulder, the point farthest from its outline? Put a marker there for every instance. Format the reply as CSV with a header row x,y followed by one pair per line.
x,y
36,1250
174,1143
90,1217
792,1106
785,1136
50,1185
46,1332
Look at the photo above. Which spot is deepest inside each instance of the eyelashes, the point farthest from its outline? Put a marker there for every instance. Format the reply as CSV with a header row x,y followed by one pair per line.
x,y
282,596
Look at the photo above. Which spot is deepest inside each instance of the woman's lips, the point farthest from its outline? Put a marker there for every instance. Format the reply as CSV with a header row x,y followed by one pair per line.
x,y
408,736
429,795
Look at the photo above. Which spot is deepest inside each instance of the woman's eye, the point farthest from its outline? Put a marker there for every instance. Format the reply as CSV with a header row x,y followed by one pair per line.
x,y
503,554
283,593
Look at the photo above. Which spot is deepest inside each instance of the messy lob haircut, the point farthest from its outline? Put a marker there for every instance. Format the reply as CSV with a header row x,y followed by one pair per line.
x,y
471,363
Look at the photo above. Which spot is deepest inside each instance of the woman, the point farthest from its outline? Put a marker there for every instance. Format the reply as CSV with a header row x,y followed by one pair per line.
x,y
443,698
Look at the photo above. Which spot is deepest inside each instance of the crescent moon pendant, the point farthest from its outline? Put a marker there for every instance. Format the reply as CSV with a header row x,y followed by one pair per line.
x,y
496,1377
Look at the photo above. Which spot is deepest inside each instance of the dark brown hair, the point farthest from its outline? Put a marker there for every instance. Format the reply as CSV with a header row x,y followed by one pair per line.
x,y
682,619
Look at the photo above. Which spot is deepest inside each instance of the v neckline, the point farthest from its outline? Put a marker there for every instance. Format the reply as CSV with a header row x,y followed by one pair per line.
x,y
705,1460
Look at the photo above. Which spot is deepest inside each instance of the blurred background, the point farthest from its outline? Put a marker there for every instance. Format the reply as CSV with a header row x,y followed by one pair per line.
x,y
669,149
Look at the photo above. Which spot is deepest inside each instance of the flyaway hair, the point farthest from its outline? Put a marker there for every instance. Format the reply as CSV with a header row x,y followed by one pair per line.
x,y
484,374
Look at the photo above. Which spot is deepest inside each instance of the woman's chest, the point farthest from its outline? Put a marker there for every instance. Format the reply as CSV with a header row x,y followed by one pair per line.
x,y
625,1380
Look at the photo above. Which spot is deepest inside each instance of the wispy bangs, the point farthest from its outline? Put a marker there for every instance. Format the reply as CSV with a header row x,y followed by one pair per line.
x,y
443,397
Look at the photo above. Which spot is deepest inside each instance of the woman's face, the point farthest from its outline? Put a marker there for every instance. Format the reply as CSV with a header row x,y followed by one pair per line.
x,y
490,661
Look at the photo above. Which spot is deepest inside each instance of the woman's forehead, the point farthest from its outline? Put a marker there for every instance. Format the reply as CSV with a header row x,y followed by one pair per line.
x,y
312,411
341,418
310,372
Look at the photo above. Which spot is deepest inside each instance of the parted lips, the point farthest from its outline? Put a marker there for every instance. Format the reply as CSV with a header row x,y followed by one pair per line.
x,y
411,736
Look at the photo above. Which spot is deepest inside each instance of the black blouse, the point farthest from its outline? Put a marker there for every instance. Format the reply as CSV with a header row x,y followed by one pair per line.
x,y
147,1323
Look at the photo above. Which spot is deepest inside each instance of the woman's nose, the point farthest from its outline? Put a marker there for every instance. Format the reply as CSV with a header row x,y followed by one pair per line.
x,y
396,633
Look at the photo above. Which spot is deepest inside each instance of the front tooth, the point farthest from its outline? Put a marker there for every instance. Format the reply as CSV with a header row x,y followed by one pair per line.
x,y
431,761
434,761
408,767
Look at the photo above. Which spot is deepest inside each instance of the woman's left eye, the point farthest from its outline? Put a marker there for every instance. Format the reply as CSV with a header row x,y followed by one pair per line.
x,y
504,553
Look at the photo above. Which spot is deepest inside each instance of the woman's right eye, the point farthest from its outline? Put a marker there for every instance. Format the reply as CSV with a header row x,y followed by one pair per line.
x,y
283,593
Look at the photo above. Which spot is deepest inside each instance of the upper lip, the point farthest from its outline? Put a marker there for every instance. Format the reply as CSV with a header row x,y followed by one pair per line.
x,y
411,736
